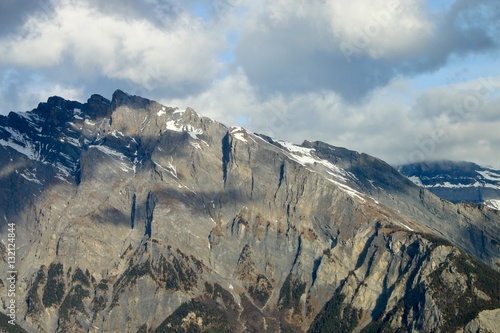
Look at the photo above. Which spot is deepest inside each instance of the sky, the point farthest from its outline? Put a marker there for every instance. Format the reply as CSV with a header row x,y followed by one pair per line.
x,y
403,80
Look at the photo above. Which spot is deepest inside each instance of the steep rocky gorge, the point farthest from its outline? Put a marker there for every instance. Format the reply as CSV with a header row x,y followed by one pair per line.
x,y
135,217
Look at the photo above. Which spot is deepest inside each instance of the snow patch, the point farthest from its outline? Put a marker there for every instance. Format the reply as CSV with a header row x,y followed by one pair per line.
x,y
349,190
493,203
72,141
123,166
109,151
239,136
21,144
304,156
115,133
490,175
240,133
416,181
195,145
161,112
170,168
178,126
459,185
404,225
143,124
30,176
64,171
31,118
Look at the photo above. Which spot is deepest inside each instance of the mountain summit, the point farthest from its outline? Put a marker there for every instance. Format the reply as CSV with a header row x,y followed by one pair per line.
x,y
136,217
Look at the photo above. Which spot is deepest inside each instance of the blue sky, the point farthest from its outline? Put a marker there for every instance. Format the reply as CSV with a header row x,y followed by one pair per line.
x,y
401,80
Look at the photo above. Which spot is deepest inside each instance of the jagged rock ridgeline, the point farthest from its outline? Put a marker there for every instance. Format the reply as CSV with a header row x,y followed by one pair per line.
x,y
135,217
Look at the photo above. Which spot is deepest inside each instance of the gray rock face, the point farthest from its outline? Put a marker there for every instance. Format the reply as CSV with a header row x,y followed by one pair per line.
x,y
486,321
135,217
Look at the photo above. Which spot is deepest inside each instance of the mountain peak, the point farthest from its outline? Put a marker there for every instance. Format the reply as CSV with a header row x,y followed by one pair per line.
x,y
120,98
125,204
56,101
98,98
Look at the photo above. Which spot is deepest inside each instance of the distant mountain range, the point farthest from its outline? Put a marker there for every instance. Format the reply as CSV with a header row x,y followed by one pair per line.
x,y
457,181
131,216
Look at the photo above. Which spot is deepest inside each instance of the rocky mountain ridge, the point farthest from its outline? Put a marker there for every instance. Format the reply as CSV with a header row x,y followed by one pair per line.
x,y
135,217
457,181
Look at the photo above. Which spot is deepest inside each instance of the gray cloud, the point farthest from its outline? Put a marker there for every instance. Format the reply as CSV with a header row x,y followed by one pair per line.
x,y
160,12
469,27
281,51
14,13
22,90
121,44
156,11
284,60
296,55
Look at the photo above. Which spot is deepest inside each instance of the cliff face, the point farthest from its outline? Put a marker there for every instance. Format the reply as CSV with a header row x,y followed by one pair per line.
x,y
135,217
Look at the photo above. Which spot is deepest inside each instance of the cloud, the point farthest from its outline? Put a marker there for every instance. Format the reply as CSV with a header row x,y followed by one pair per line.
x,y
14,13
353,47
21,90
182,55
288,50
461,102
381,29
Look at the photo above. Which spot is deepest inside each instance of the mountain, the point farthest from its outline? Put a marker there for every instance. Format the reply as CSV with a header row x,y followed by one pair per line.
x,y
131,216
457,181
